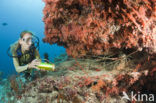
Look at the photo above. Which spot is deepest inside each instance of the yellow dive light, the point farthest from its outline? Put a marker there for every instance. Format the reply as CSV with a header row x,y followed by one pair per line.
x,y
47,66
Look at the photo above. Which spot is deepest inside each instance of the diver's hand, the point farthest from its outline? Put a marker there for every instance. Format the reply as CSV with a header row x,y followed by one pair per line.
x,y
34,64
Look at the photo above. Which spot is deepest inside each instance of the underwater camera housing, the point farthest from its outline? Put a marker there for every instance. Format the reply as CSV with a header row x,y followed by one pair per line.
x,y
46,66
35,45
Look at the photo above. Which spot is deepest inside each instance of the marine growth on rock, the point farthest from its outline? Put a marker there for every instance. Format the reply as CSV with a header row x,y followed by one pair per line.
x,y
97,27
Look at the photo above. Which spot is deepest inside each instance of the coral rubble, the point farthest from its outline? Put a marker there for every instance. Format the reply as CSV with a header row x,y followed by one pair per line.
x,y
87,81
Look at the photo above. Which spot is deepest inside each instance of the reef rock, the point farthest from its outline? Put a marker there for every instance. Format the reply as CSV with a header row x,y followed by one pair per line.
x,y
97,27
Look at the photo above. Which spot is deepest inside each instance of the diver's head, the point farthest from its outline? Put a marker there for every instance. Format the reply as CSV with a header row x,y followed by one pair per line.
x,y
25,40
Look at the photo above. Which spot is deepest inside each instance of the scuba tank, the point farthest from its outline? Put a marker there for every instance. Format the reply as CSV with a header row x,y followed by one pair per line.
x,y
46,66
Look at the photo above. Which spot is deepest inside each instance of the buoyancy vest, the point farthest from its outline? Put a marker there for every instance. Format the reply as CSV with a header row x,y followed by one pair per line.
x,y
26,57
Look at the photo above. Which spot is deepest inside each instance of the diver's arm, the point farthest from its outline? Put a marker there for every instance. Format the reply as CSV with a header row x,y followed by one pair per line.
x,y
18,67
28,66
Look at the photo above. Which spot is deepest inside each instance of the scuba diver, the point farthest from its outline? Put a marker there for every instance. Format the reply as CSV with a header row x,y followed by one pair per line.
x,y
25,54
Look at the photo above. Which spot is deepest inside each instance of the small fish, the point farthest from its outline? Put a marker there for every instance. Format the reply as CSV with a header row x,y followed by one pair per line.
x,y
4,24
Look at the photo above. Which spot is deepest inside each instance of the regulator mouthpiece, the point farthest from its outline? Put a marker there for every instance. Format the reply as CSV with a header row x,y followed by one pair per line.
x,y
47,66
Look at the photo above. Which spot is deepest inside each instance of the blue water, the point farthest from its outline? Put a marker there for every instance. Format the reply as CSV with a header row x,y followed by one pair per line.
x,y
16,16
